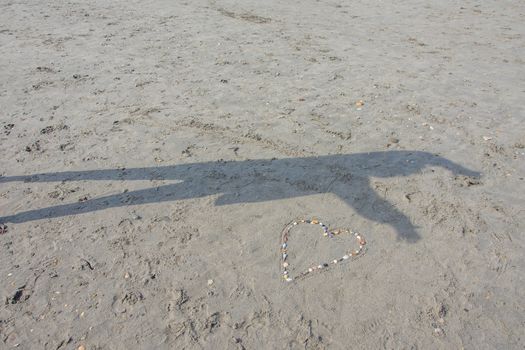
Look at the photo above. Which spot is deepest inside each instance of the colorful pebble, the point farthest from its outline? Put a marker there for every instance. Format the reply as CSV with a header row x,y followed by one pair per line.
x,y
326,232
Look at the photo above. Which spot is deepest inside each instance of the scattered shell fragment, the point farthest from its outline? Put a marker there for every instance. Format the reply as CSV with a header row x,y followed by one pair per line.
x,y
393,140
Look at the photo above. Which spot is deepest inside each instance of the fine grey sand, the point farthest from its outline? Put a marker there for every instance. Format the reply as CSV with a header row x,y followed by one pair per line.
x,y
152,151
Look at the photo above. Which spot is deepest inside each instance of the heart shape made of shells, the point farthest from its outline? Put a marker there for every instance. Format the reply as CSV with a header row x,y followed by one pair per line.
x,y
285,265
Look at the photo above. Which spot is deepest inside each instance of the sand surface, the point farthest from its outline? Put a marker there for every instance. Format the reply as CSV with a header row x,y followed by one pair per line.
x,y
152,151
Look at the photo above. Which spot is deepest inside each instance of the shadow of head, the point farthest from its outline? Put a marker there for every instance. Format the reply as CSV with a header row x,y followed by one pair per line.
x,y
249,181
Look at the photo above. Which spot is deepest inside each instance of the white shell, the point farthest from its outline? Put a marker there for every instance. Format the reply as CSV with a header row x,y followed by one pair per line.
x,y
310,269
335,261
345,257
320,266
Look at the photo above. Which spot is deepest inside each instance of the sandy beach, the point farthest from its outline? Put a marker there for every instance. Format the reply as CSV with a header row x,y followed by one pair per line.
x,y
152,152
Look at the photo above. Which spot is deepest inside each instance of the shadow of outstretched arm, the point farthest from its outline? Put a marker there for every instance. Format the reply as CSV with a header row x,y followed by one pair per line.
x,y
454,168
149,195
166,172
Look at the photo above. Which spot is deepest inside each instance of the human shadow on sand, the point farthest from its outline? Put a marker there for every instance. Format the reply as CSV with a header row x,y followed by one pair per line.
x,y
248,181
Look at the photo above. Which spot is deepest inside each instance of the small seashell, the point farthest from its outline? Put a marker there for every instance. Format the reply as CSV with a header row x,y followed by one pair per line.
x,y
295,223
314,222
320,266
345,257
310,270
285,264
285,256
285,272
288,280
284,245
335,261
